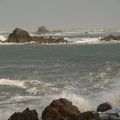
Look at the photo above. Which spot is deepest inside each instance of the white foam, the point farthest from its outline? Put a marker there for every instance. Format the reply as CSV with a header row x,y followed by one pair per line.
x,y
86,40
12,82
2,38
33,91
18,99
33,87
10,43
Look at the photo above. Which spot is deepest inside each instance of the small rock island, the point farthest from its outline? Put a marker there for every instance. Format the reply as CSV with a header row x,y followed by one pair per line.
x,y
21,36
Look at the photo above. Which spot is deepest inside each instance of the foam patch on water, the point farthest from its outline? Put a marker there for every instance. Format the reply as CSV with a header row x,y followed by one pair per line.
x,y
85,40
12,83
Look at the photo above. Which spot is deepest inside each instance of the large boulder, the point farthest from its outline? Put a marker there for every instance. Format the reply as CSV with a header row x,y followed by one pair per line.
x,y
42,30
27,114
104,107
60,109
19,36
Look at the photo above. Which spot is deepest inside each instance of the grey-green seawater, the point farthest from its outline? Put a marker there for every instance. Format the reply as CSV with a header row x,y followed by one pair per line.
x,y
33,75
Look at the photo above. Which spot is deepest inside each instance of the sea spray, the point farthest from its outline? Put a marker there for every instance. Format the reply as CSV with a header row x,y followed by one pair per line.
x,y
113,97
77,100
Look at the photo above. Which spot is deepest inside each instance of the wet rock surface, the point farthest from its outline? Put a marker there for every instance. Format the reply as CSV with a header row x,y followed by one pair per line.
x,y
60,109
104,107
27,114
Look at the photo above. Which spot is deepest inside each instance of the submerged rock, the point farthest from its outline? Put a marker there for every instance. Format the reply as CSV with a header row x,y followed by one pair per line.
x,y
60,109
19,36
27,114
104,107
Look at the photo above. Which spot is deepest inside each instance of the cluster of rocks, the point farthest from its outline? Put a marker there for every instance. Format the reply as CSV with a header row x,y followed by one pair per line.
x,y
62,109
21,36
27,114
111,37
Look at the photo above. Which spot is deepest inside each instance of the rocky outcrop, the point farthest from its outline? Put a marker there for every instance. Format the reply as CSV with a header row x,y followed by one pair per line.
x,y
49,40
27,114
19,36
60,109
110,37
104,107
42,30
22,36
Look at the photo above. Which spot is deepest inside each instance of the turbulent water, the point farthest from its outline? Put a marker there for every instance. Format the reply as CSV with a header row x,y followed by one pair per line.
x,y
33,75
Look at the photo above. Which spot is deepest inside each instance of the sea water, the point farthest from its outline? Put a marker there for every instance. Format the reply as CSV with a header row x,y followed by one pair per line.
x,y
32,75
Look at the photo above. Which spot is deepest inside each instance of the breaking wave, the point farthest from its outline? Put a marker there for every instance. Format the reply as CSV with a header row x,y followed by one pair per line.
x,y
80,101
33,87
12,83
84,40
2,38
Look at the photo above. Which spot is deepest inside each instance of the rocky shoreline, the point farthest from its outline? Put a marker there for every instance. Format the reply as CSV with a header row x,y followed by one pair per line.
x,y
63,109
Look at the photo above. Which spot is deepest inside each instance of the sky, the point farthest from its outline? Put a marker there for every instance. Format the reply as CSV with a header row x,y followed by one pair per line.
x,y
59,14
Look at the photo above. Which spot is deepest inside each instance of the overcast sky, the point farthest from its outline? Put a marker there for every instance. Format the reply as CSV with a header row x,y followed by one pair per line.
x,y
59,14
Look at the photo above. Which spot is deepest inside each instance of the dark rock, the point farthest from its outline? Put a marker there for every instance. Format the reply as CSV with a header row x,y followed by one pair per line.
x,y
111,37
27,114
19,36
89,115
22,36
104,107
42,30
60,109
43,40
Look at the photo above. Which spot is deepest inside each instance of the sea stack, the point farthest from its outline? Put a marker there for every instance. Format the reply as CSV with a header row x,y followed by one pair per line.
x,y
42,30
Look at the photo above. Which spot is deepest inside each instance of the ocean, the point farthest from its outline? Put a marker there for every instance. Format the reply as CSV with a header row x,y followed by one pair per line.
x,y
32,75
